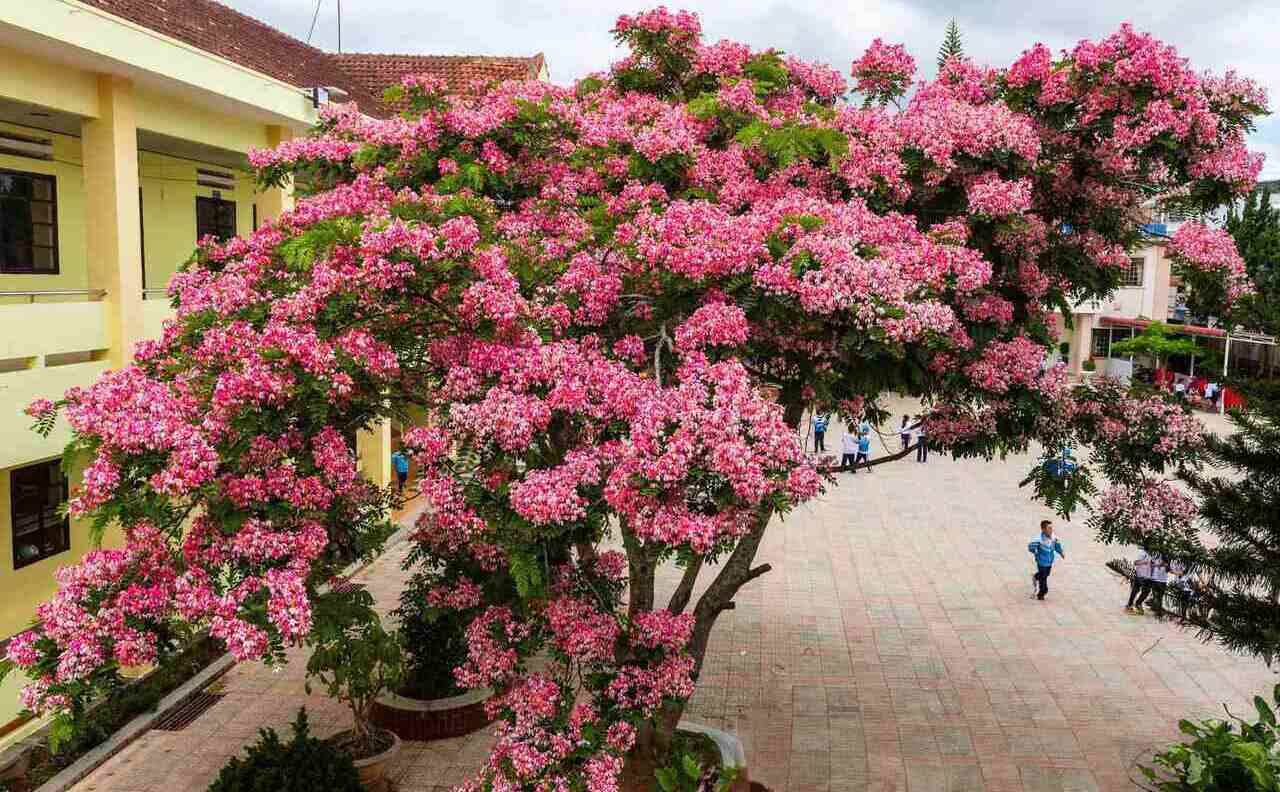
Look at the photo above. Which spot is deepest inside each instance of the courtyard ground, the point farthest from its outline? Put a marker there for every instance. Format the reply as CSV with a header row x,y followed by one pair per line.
x,y
894,647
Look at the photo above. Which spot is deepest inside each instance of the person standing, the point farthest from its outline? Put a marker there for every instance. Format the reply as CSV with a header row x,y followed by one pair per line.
x,y
1140,583
401,463
1159,581
922,442
1043,548
904,432
819,432
864,451
848,450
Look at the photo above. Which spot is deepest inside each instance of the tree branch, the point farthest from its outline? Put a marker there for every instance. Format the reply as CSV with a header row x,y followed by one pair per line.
x,y
684,591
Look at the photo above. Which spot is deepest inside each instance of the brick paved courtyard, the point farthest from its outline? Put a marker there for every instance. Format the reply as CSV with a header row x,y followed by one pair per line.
x,y
894,647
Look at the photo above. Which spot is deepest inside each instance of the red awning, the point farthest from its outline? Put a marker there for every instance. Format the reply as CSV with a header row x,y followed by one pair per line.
x,y
1185,329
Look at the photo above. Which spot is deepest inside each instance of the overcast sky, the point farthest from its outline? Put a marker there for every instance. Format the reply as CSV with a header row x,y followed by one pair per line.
x,y
573,34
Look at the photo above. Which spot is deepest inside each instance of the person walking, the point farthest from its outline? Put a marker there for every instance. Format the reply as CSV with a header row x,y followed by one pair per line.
x,y
905,431
1139,584
849,450
819,432
864,451
1042,548
401,463
922,446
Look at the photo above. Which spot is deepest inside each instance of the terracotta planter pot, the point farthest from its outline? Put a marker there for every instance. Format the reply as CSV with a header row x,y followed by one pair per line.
x,y
433,719
373,771
731,752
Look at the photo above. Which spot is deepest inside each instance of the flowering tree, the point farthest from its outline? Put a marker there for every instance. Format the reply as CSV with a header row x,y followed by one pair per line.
x,y
586,290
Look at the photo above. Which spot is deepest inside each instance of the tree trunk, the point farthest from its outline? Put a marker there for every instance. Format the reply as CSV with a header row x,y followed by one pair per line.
x,y
653,741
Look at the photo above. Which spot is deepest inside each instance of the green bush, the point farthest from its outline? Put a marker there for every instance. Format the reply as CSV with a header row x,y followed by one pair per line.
x,y
435,642
1064,348
1089,365
1221,759
304,764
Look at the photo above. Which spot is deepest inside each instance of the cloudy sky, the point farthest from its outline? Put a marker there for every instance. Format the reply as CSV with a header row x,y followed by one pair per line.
x,y
574,33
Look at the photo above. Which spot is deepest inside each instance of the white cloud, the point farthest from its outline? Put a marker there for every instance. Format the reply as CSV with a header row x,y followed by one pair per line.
x,y
574,33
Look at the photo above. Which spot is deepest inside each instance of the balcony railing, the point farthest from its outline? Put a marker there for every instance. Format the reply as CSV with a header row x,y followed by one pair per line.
x,y
155,294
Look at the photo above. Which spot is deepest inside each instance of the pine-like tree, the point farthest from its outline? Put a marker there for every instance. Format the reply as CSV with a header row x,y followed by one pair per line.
x,y
1237,602
951,47
1256,230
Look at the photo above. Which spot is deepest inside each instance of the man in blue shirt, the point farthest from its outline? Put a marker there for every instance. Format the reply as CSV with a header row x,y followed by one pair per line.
x,y
1043,548
864,451
401,464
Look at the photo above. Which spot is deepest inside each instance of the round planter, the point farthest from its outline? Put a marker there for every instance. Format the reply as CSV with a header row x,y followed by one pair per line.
x,y
731,752
433,719
373,771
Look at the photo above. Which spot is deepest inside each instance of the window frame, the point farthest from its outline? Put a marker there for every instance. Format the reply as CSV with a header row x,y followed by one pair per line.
x,y
1138,264
41,528
217,201
54,248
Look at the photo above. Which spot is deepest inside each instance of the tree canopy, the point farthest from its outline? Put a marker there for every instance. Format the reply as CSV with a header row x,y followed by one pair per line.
x,y
613,302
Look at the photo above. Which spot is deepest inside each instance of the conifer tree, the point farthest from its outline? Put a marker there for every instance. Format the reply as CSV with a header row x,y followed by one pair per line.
x,y
951,47
1238,600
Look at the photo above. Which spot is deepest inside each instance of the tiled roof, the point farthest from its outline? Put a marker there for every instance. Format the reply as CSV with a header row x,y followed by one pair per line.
x,y
373,72
225,32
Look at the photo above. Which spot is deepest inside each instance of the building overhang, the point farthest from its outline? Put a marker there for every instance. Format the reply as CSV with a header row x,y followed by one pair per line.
x,y
83,37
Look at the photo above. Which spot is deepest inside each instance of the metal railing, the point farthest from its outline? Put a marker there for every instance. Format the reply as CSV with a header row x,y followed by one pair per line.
x,y
155,294
93,294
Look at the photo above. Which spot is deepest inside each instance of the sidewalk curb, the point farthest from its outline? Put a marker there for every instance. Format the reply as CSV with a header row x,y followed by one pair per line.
x,y
135,728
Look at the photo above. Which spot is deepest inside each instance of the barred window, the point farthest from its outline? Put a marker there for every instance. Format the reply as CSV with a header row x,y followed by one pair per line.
x,y
1133,273
36,492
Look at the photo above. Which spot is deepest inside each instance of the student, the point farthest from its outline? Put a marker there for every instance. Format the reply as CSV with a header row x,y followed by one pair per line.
x,y
819,432
922,449
401,464
864,451
905,432
849,450
864,426
1042,548
1156,582
1140,583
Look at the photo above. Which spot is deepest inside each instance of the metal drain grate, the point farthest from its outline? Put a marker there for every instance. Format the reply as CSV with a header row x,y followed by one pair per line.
x,y
342,585
182,717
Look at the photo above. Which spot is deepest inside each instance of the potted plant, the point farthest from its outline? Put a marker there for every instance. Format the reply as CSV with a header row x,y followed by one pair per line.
x,y
356,659
428,703
1089,366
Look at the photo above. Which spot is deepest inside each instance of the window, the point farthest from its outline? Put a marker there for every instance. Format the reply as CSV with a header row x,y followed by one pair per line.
x,y
35,493
215,216
1101,346
28,223
1133,273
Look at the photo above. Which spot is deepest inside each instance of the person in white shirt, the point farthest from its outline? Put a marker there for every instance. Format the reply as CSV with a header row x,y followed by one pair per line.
x,y
848,450
906,432
1156,583
1140,583
922,449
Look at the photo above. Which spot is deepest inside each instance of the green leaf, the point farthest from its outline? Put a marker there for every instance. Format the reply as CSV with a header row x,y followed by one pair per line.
x,y
691,767
667,779
1264,712
1195,769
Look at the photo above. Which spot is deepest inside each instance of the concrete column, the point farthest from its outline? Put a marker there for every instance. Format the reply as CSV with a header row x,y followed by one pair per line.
x,y
114,232
1081,340
373,448
275,201
1160,285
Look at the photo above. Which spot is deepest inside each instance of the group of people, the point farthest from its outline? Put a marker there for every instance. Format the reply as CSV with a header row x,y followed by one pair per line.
x,y
1154,577
855,446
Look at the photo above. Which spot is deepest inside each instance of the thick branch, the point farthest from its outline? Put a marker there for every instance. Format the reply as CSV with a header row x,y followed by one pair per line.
x,y
684,591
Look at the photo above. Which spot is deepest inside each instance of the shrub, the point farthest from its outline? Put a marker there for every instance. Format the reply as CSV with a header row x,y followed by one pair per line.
x,y
1064,348
435,642
1089,365
304,764
1221,759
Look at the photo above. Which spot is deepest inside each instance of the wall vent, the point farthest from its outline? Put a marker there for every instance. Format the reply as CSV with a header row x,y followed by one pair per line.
x,y
219,180
32,148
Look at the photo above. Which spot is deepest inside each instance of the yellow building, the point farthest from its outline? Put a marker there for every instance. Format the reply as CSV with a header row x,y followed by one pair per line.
x,y
123,131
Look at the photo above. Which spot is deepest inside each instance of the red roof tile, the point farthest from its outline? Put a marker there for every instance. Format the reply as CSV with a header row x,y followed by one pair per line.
x,y
373,72
223,31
